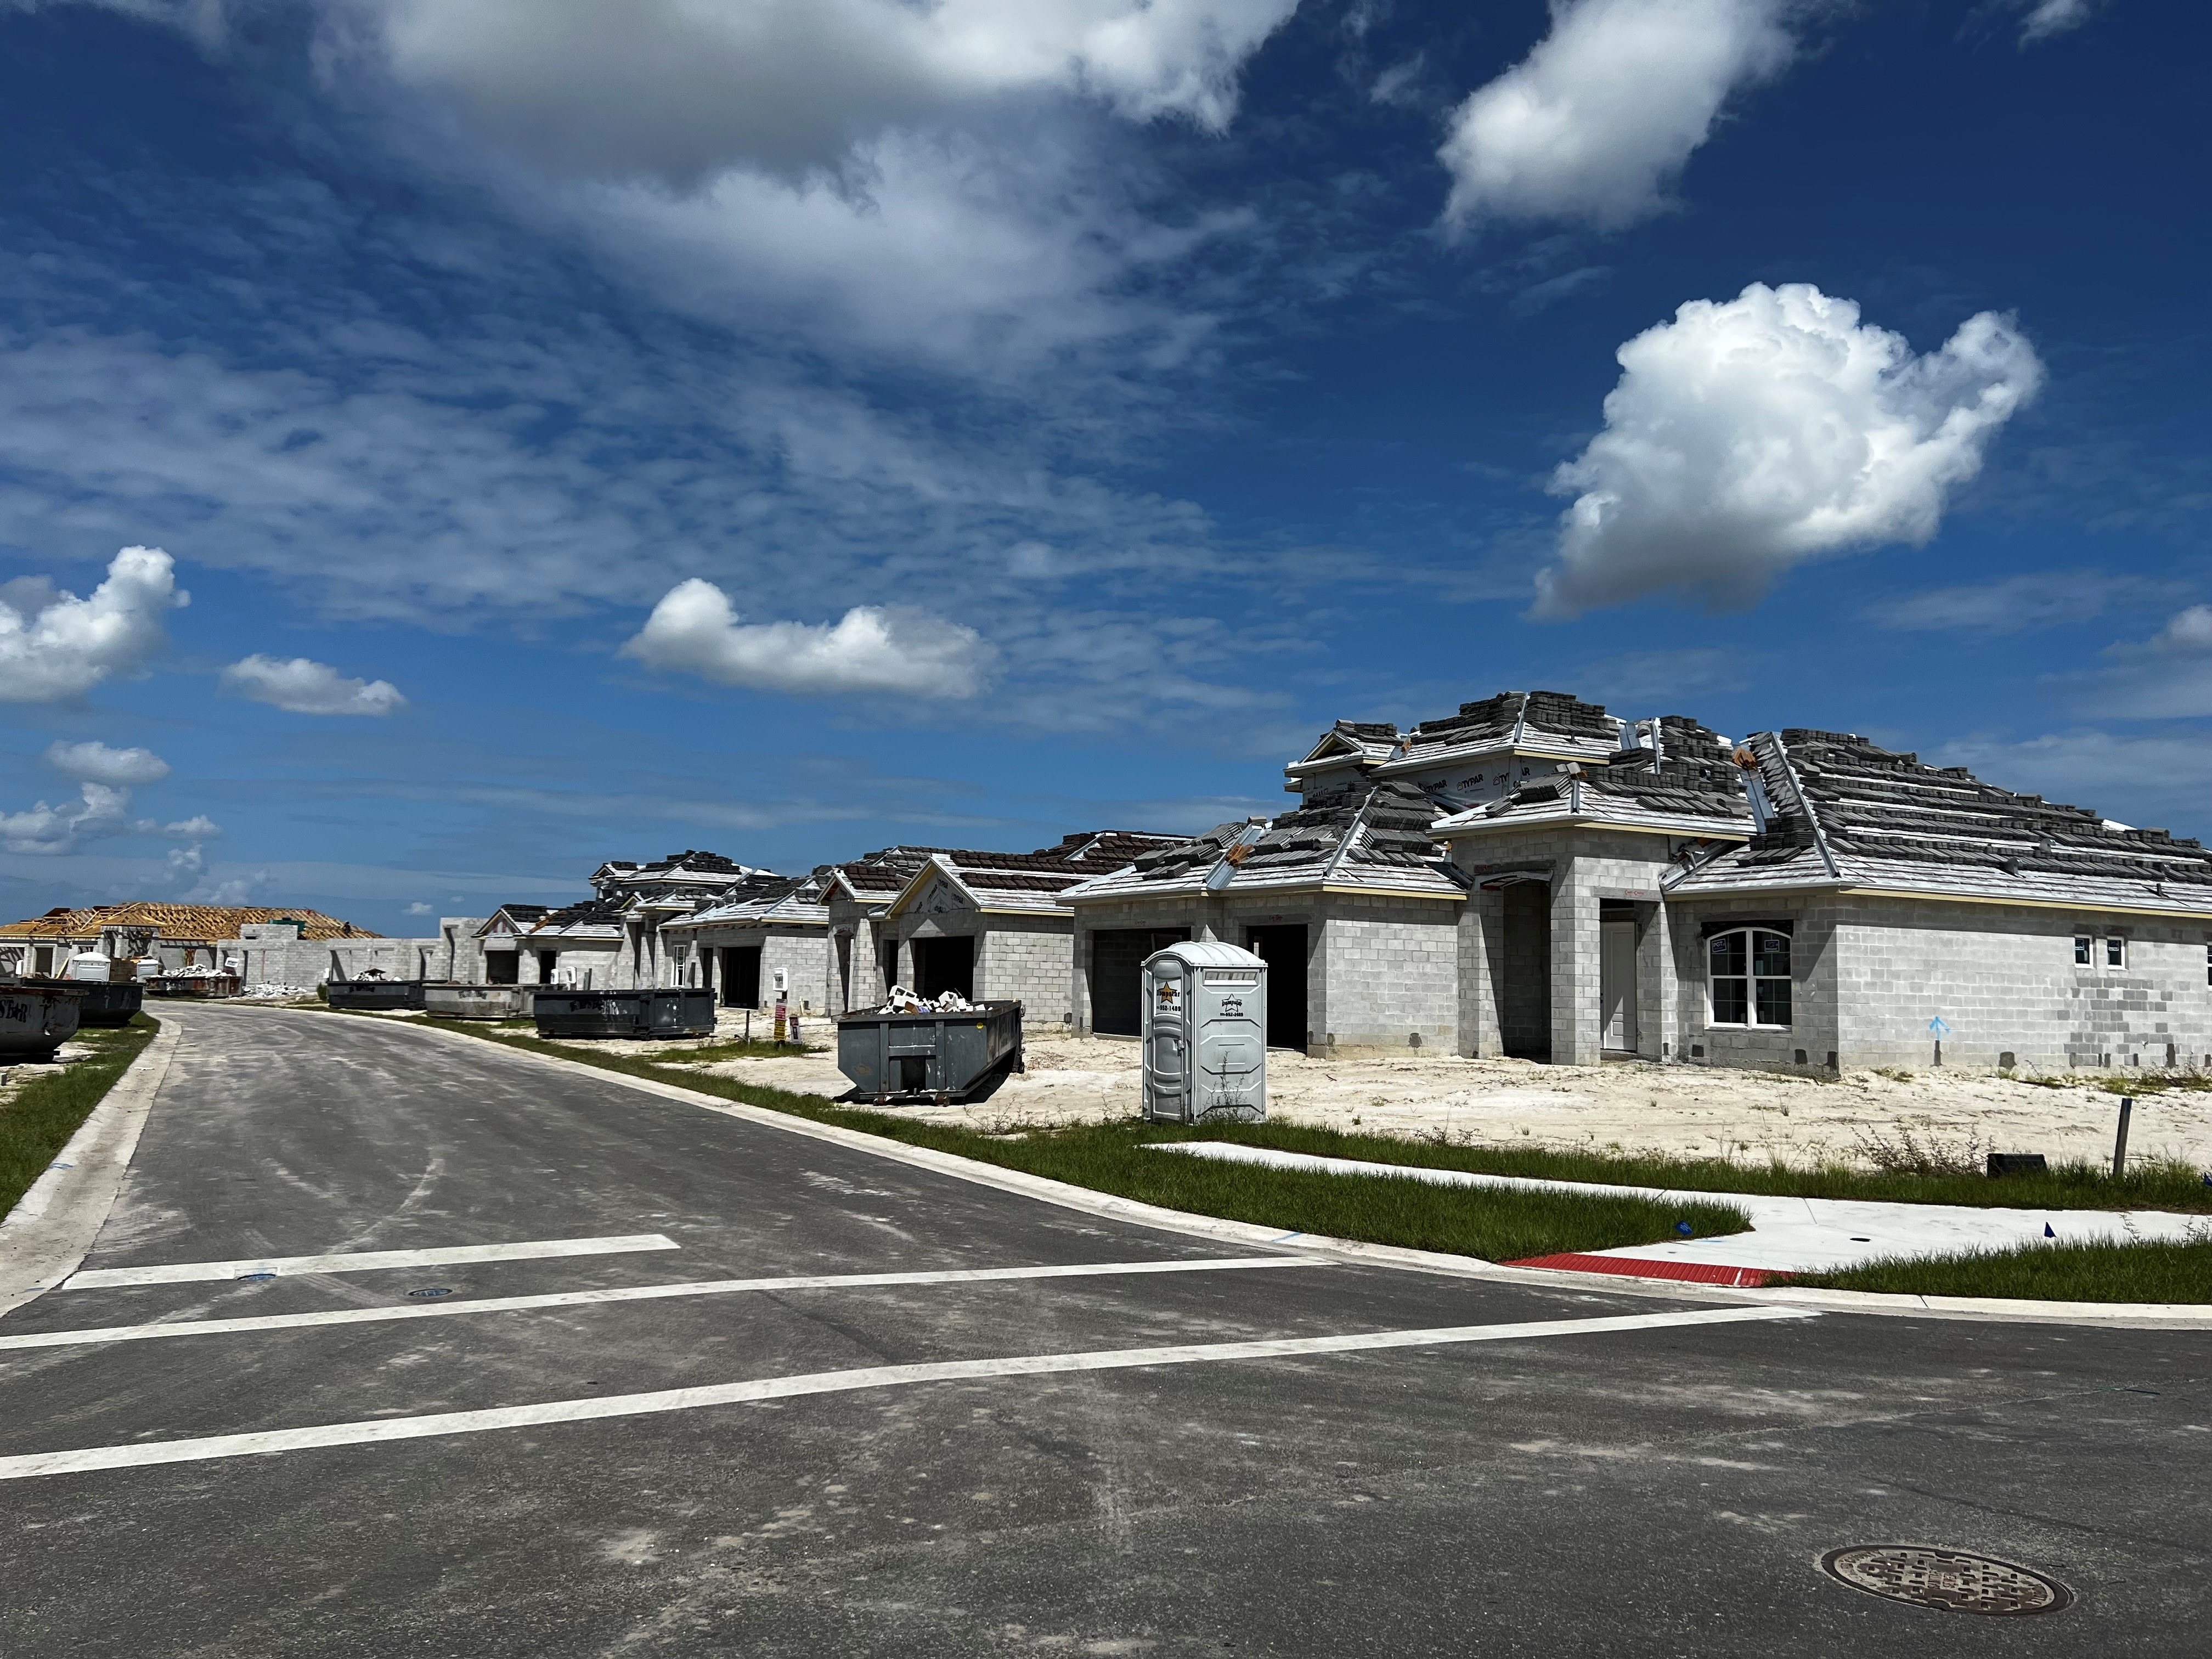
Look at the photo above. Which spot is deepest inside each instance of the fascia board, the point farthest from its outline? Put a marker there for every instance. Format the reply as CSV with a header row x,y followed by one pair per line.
x,y
1441,895
1239,890
2098,907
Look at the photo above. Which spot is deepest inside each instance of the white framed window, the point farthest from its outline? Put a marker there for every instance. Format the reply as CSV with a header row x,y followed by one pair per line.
x,y
2116,950
1747,976
2082,947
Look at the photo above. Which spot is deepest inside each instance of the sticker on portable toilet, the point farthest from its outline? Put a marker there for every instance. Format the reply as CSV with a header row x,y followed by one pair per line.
x,y
1167,994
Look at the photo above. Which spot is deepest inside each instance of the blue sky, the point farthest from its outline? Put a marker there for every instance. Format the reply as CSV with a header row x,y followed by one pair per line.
x,y
788,427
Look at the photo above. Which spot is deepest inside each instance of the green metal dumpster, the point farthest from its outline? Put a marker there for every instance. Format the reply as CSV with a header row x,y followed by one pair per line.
x,y
928,1056
646,1012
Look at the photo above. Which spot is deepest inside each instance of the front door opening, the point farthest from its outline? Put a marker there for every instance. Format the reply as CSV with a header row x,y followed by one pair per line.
x,y
1283,951
1524,988
945,965
1616,980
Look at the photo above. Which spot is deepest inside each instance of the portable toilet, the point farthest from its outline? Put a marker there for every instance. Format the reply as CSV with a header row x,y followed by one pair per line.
x,y
1205,1034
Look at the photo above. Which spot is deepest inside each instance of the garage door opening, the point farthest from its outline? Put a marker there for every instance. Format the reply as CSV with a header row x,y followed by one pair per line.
x,y
1117,962
944,965
1283,951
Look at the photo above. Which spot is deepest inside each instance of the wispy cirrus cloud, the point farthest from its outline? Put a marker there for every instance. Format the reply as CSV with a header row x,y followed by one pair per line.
x,y
2013,605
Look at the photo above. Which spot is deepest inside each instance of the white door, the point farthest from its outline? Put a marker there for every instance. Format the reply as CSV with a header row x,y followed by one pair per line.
x,y
1616,980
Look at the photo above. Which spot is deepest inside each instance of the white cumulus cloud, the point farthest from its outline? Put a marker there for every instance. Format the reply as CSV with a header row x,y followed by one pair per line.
x,y
1597,121
303,686
695,629
1749,435
95,762
54,644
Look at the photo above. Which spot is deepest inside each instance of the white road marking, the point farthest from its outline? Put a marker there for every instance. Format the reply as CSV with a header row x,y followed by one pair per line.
x,y
361,1261
634,1293
210,1448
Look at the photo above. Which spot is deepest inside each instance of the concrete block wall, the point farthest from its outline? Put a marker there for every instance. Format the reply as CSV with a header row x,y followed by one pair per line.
x,y
866,926
800,951
1511,997
1031,959
2005,980
1481,971
1389,974
570,965
1812,1044
1658,987
1595,865
276,960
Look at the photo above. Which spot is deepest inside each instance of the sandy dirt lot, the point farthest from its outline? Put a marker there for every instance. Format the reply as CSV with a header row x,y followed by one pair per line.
x,y
1750,1115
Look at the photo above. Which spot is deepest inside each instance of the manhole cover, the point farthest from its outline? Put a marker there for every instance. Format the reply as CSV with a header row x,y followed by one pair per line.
x,y
429,1291
1952,1580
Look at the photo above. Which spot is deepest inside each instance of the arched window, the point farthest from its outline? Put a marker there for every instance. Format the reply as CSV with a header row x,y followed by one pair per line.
x,y
1748,972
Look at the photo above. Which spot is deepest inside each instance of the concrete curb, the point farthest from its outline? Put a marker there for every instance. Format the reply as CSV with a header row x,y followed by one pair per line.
x,y
47,1236
2138,1315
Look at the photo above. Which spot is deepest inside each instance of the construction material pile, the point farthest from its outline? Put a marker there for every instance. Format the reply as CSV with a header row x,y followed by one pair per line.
x,y
903,1001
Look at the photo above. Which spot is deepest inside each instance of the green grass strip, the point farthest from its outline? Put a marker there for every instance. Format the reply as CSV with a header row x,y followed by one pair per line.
x,y
1495,1225
48,1110
2043,1272
2149,1185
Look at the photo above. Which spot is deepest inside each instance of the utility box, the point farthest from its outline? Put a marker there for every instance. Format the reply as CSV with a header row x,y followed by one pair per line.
x,y
1205,1034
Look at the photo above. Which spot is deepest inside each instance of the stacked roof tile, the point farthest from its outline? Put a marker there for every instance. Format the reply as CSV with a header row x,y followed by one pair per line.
x,y
765,898
1369,833
1846,811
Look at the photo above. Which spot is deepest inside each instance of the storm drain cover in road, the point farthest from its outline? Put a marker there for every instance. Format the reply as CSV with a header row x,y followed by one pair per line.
x,y
1952,1580
429,1291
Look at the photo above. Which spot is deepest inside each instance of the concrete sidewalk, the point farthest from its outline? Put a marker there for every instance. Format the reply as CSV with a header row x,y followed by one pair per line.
x,y
1789,1234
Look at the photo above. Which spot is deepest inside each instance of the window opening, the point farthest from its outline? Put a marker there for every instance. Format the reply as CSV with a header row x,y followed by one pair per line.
x,y
2081,950
1748,975
2116,952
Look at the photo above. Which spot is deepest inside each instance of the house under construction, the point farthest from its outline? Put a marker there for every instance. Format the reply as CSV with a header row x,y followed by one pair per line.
x,y
1533,876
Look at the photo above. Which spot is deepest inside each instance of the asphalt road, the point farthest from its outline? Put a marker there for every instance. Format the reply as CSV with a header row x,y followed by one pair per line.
x,y
1656,1490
